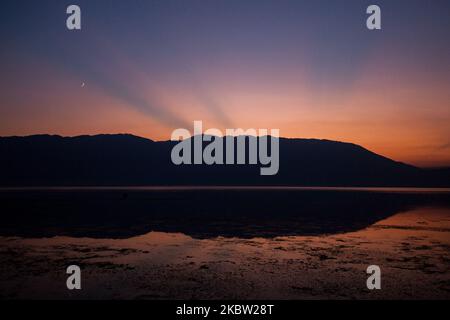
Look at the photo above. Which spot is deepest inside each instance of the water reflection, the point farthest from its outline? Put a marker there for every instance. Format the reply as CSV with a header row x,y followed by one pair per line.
x,y
412,248
201,213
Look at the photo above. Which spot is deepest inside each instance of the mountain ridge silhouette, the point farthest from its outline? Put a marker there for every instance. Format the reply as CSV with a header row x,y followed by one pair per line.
x,y
129,160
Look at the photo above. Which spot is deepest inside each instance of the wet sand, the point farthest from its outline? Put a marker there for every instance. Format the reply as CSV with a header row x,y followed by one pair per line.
x,y
412,248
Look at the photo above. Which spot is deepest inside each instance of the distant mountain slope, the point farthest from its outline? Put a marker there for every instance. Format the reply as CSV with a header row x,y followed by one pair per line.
x,y
45,160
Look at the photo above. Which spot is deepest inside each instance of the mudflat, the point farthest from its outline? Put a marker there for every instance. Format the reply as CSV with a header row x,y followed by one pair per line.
x,y
412,249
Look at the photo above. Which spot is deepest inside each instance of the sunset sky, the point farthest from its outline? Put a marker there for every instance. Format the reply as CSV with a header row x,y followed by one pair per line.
x,y
309,68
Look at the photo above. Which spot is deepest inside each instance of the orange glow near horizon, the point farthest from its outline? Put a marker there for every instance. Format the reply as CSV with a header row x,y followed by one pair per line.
x,y
394,109
391,118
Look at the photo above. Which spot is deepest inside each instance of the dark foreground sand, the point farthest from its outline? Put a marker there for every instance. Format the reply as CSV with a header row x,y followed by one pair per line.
x,y
412,249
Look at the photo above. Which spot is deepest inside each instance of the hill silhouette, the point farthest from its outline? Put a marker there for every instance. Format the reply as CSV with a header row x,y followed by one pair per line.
x,y
127,160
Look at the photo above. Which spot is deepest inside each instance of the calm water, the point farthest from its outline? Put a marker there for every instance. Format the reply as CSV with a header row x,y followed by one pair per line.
x,y
218,188
225,243
114,212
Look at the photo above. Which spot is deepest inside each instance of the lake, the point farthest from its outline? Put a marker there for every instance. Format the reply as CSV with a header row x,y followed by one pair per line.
x,y
225,243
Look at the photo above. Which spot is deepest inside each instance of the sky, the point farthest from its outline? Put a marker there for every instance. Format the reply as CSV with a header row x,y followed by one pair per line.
x,y
308,68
